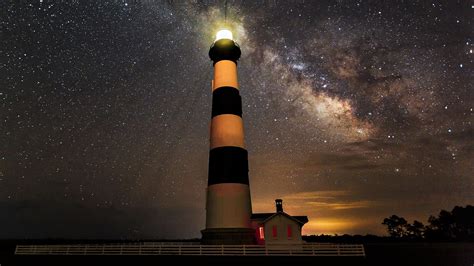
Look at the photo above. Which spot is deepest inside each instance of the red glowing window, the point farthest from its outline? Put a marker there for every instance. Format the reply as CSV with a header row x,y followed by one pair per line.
x,y
261,232
289,232
274,231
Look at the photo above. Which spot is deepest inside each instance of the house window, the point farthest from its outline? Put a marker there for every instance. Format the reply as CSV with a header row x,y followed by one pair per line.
x,y
289,232
274,231
261,233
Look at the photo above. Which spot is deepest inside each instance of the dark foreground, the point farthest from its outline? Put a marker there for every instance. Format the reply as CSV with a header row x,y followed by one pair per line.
x,y
449,254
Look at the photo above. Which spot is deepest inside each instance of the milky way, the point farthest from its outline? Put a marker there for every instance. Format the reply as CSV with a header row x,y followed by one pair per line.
x,y
353,110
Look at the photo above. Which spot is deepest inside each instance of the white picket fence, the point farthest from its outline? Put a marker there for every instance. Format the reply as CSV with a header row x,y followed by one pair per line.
x,y
314,249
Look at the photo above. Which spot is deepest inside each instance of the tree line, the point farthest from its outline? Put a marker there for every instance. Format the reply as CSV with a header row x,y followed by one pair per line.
x,y
457,224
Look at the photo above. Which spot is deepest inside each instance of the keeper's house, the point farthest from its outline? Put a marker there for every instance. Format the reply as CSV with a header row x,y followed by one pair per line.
x,y
278,228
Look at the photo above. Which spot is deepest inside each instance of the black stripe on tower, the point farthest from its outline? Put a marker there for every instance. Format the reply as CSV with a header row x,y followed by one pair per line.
x,y
226,100
228,165
224,49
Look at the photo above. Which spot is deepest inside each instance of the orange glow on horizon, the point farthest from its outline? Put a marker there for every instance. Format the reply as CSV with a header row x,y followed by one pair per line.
x,y
327,226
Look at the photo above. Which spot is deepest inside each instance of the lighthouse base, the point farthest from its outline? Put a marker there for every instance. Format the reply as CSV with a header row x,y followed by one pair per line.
x,y
228,236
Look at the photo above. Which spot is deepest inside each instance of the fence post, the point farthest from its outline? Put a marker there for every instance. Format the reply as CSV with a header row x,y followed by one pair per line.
x,y
244,250
222,249
200,249
179,249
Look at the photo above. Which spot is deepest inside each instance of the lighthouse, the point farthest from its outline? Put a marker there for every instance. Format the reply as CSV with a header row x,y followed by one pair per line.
x,y
228,203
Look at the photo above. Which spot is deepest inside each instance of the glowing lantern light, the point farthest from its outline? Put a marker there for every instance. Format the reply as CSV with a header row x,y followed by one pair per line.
x,y
224,34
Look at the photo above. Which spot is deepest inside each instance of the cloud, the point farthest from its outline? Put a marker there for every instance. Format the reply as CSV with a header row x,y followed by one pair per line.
x,y
315,195
341,205
332,200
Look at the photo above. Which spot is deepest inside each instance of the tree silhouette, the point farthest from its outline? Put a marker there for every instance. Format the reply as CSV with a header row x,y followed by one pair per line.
x,y
416,230
455,225
396,226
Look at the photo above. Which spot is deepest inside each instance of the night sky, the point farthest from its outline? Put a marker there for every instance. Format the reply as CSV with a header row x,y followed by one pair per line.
x,y
353,111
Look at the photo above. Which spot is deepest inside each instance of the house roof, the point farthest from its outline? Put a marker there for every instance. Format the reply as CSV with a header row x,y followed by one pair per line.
x,y
264,217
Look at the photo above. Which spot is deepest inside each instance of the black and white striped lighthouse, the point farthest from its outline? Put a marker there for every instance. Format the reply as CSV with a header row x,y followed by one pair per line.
x,y
228,204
